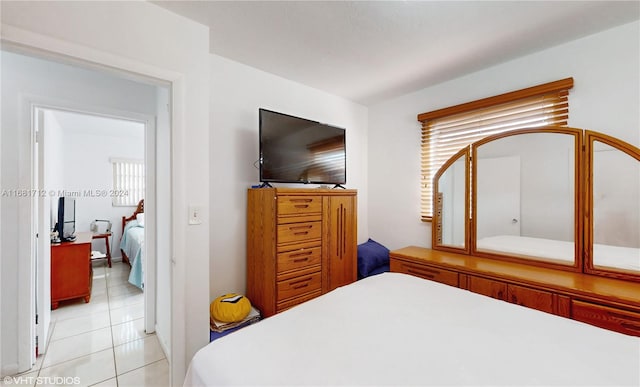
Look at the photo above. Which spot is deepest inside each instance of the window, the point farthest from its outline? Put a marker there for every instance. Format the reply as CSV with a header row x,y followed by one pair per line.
x,y
446,131
128,182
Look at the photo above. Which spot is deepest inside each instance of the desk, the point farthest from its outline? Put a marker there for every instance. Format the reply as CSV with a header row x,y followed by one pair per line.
x,y
105,236
71,273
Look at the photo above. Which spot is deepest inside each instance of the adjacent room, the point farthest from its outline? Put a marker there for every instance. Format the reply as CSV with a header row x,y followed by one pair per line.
x,y
329,187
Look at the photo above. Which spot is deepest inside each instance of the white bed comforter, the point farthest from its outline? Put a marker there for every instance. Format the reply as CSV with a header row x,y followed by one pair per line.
x,y
395,329
132,244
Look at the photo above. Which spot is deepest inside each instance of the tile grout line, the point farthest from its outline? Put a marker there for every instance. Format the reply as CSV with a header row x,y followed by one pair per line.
x,y
145,365
113,346
111,281
55,323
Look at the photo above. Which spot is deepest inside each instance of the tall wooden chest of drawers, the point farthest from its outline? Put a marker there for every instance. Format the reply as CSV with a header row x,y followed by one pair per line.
x,y
301,243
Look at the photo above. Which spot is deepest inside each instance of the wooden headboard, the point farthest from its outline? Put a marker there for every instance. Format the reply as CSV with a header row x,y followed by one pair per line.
x,y
139,210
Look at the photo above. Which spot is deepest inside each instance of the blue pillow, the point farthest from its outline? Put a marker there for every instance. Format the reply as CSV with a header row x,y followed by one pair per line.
x,y
371,255
381,269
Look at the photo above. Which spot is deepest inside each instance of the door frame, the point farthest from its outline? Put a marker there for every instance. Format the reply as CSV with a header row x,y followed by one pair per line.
x,y
37,106
28,43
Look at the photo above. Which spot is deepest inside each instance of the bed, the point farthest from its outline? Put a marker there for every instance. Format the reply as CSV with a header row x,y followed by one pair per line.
x,y
627,258
132,244
396,329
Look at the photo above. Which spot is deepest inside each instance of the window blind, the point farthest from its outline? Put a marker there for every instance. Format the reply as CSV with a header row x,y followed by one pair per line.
x,y
128,182
446,131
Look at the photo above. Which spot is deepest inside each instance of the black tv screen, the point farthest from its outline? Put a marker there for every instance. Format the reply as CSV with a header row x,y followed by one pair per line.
x,y
297,150
66,225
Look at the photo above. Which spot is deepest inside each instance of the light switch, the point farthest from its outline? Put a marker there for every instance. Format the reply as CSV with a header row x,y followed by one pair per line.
x,y
195,215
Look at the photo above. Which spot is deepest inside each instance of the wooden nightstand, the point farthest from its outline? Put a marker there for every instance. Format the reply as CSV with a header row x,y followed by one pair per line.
x,y
105,236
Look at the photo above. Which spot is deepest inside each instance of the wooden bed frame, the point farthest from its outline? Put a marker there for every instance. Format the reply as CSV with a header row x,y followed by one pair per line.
x,y
125,220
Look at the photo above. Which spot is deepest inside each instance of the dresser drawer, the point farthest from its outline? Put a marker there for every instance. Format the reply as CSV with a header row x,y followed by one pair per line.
x,y
297,205
487,287
299,285
299,259
282,306
427,272
606,317
299,232
531,298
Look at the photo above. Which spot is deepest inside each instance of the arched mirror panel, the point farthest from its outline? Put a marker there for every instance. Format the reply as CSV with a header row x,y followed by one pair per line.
x,y
450,226
613,234
525,200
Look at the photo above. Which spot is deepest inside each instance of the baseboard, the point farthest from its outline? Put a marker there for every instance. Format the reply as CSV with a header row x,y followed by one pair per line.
x,y
12,369
163,345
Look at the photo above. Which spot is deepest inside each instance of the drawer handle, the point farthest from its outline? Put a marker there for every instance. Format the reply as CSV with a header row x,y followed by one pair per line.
x,y
424,269
623,316
300,230
301,206
301,200
420,273
300,227
301,253
303,283
630,326
298,260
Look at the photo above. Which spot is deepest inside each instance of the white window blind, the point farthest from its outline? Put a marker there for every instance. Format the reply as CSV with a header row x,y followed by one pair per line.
x,y
446,131
128,182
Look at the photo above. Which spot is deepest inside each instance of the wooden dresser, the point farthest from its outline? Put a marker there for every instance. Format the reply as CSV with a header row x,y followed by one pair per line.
x,y
71,272
605,302
301,243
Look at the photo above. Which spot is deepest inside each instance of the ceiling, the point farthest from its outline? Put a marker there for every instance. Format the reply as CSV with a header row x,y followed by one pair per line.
x,y
368,51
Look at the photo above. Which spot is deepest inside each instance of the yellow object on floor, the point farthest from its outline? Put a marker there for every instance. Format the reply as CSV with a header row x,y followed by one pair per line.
x,y
231,307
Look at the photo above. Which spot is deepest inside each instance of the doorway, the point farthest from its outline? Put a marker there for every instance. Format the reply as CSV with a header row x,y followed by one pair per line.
x,y
83,96
76,153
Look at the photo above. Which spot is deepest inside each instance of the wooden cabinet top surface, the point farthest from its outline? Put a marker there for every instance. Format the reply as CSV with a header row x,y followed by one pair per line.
x,y
81,238
308,191
610,289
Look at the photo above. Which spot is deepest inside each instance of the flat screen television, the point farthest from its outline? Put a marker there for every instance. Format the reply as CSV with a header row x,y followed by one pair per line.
x,y
297,150
66,222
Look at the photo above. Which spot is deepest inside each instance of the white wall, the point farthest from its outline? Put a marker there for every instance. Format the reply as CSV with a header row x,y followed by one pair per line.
x,y
140,38
605,98
88,144
237,91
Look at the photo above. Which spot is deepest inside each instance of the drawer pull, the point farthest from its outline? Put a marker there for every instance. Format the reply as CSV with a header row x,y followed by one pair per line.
x,y
420,273
623,316
307,227
424,270
301,200
302,256
303,283
301,206
309,252
300,230
630,326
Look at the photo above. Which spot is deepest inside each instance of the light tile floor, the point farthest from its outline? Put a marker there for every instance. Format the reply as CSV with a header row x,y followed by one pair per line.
x,y
102,343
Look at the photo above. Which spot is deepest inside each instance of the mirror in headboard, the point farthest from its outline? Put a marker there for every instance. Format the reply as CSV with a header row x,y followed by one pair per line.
x,y
613,222
450,229
525,204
